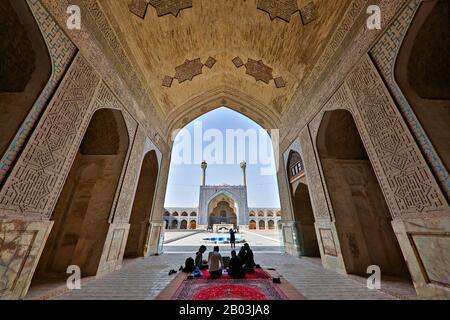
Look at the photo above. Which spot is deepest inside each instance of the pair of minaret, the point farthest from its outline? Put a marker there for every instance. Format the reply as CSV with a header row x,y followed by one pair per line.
x,y
243,167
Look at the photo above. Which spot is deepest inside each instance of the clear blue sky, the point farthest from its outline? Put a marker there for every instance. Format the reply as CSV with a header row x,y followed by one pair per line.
x,y
184,178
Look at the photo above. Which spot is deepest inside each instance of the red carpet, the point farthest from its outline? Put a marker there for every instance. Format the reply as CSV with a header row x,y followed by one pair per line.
x,y
258,274
257,286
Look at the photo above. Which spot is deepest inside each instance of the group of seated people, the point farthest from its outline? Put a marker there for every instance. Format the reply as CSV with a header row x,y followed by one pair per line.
x,y
238,265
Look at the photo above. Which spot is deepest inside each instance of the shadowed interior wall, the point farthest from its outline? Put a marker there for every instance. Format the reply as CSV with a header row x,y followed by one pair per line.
x,y
363,221
423,72
25,66
304,218
142,207
81,217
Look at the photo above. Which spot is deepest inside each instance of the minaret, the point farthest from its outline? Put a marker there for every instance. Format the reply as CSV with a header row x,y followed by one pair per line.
x,y
204,166
244,175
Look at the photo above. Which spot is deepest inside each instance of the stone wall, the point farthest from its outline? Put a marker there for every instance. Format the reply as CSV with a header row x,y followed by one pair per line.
x,y
411,192
31,192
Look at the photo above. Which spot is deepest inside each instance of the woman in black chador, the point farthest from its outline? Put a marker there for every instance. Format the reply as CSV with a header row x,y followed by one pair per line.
x,y
249,259
235,269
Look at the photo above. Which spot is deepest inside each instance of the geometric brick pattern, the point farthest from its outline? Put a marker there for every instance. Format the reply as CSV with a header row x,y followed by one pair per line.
x,y
61,51
282,9
188,71
279,82
163,7
260,71
138,7
384,55
398,160
210,62
356,8
403,173
238,62
309,13
167,81
130,181
173,7
36,180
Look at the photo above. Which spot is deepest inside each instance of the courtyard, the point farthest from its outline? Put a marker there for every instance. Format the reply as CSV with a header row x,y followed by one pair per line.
x,y
146,278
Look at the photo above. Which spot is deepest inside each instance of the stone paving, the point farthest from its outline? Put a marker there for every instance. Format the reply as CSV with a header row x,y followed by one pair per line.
x,y
144,279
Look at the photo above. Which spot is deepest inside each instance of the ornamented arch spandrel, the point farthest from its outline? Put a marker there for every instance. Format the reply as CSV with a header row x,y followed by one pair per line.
x,y
403,174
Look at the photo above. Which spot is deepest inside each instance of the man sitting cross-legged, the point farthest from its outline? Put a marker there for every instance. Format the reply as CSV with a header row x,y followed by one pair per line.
x,y
215,263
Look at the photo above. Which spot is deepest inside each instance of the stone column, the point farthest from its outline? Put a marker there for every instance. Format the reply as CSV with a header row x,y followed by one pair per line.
x,y
244,175
204,166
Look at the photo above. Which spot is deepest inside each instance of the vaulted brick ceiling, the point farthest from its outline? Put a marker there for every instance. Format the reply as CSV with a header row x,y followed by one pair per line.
x,y
278,52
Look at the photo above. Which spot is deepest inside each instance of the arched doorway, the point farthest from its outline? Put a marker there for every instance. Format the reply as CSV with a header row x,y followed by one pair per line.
x,y
222,210
262,225
302,208
304,218
252,225
174,225
363,220
25,67
166,226
81,216
142,207
271,225
193,225
184,225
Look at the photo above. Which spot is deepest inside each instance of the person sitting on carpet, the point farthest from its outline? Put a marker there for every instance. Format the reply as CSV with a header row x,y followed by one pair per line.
x,y
249,264
235,269
241,255
215,263
189,265
199,262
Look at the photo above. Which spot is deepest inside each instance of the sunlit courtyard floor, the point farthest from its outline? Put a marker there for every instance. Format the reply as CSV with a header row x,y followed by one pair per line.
x,y
260,241
146,278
